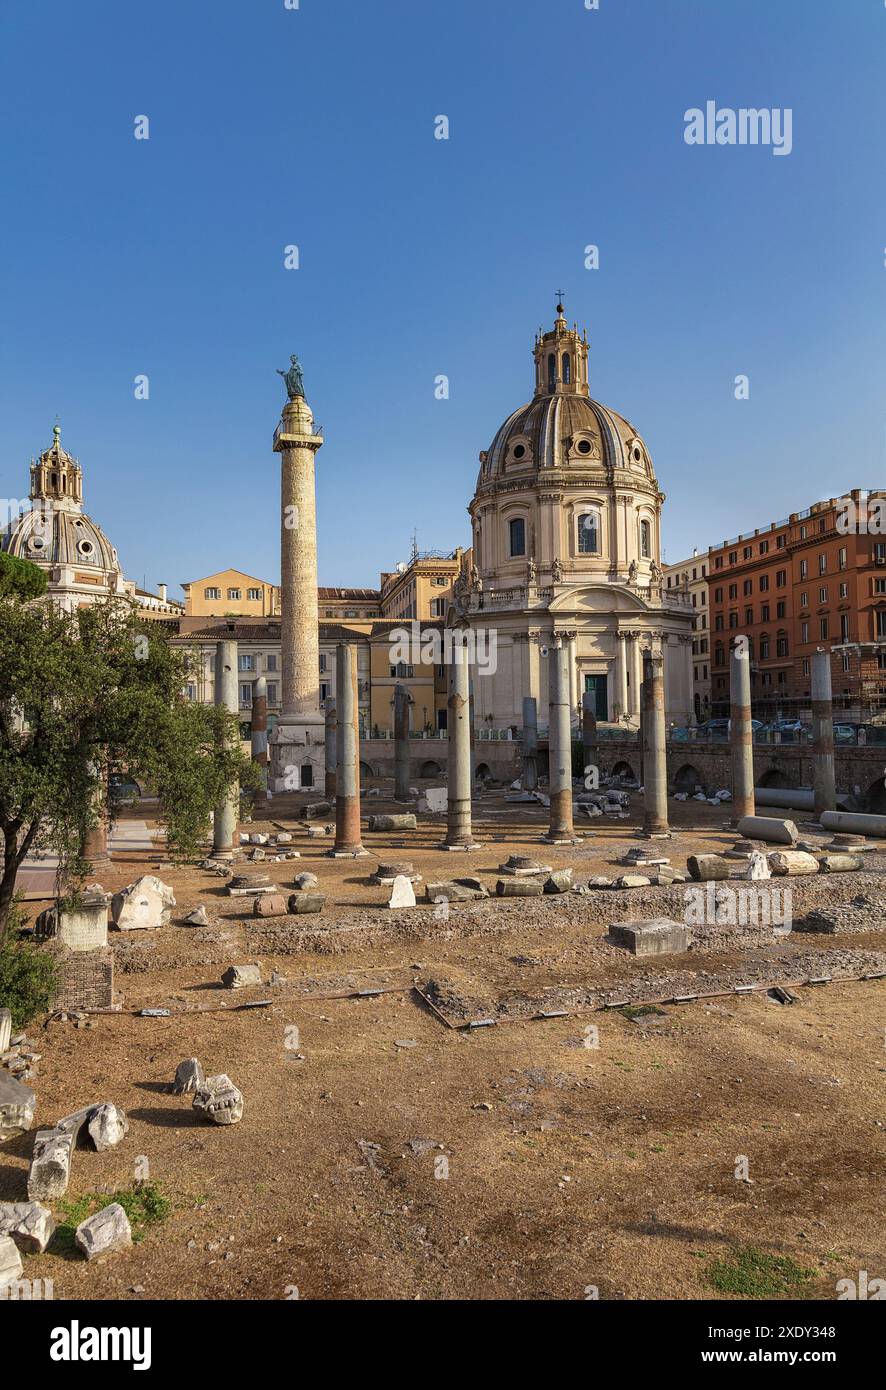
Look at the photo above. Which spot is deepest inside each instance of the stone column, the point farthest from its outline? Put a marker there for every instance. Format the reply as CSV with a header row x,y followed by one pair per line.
x,y
401,743
620,701
330,749
530,744
636,655
741,734
655,775
573,682
561,830
458,803
347,789
260,739
298,737
823,781
690,679
226,697
588,729
94,844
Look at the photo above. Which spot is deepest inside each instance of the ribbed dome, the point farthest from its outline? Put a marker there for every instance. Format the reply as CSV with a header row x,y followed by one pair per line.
x,y
565,431
52,536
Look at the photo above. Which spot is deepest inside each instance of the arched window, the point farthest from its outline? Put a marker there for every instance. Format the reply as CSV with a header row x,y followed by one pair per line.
x,y
567,368
552,371
645,540
589,533
517,530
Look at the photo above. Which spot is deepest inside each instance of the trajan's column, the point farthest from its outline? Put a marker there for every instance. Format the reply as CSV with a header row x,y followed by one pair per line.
x,y
297,743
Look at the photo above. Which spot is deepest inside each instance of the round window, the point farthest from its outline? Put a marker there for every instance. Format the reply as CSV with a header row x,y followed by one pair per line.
x,y
85,547
637,454
36,543
584,446
519,451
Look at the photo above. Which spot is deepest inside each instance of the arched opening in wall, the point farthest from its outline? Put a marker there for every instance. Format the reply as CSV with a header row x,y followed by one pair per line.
x,y
307,775
482,773
429,768
687,779
365,770
567,368
624,770
552,371
875,798
776,777
645,540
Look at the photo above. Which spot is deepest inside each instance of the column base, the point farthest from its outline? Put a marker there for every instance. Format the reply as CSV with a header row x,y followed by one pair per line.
x,y
560,839
454,849
359,853
652,834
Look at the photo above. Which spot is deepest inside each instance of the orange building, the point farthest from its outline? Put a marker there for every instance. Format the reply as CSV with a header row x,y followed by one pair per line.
x,y
816,581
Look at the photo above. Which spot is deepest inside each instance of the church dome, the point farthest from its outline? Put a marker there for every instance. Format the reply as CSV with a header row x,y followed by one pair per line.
x,y
562,427
55,530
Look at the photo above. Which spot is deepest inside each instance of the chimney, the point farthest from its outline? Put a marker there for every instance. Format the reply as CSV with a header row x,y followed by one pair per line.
x,y
161,590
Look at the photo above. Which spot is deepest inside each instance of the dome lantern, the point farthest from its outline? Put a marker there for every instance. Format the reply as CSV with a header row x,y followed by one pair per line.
x,y
561,359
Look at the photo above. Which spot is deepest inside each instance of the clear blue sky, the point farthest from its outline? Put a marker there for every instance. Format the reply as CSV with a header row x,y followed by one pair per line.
x,y
420,257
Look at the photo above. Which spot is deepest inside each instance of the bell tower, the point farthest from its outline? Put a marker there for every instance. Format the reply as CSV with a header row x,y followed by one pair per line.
x,y
56,477
561,359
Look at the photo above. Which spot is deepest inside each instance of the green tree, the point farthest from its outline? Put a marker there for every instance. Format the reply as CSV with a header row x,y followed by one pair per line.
x,y
19,578
85,692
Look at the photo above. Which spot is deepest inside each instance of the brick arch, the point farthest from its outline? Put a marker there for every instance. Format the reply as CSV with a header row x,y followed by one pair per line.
x,y
687,778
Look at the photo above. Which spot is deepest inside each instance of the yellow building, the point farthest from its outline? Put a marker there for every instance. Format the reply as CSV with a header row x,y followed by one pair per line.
x,y
231,593
423,588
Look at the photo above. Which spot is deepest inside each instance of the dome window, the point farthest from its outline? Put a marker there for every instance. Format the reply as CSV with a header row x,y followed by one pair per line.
x,y
567,368
645,540
519,451
36,543
552,371
584,446
85,547
636,453
589,533
517,531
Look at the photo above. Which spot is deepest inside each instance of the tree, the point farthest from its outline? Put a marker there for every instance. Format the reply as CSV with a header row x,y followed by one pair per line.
x,y
85,692
19,578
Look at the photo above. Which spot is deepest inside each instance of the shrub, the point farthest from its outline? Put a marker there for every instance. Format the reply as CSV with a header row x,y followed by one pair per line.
x,y
28,976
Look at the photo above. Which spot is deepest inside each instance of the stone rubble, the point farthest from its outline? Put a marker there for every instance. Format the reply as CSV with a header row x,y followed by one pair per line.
x,y
219,1100
143,905
29,1224
188,1077
104,1233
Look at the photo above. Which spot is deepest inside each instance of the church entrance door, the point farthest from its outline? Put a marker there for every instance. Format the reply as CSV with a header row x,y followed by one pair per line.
x,y
597,685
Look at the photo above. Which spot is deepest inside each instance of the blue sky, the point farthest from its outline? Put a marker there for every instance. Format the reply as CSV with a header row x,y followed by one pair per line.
x,y
421,257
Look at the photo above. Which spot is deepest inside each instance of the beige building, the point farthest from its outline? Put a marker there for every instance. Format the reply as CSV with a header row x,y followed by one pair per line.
x,y
423,587
231,593
566,522
259,654
691,577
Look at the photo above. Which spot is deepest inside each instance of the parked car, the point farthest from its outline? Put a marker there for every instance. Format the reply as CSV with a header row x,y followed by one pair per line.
x,y
121,787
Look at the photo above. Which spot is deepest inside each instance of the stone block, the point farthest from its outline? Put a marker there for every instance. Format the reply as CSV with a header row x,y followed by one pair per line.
x,y
50,1170
306,880
85,927
104,1233
838,863
406,821
17,1106
29,1224
198,917
705,867
240,976
269,905
107,1126
434,800
519,887
5,1029
790,863
632,881
143,906
10,1262
453,890
657,936
188,1077
769,828
402,892
219,1100
560,881
306,903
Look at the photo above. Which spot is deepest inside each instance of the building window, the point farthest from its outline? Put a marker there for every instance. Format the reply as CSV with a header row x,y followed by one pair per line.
x,y
517,529
733,591
881,622
823,627
324,691
191,692
272,692
764,583
804,600
764,648
841,558
781,579
748,586
718,623
781,645
235,594
747,552
246,693
254,595
764,613
567,368
733,620
271,661
749,617
804,569
823,595
246,663
438,608
402,671
718,596
733,556
844,627
806,666
823,563
212,593
781,542
764,546
844,590
781,609
804,632
847,663
589,533
645,540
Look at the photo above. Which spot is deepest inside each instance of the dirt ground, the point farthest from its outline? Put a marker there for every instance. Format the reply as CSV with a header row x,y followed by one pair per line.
x,y
387,1155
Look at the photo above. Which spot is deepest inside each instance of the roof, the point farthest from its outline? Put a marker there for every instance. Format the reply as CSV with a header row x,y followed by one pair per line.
x,y
359,595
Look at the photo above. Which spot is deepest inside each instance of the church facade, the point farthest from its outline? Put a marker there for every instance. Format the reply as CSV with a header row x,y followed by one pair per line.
x,y
566,522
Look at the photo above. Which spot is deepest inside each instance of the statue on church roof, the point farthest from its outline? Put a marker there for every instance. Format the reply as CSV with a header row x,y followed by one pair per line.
x,y
295,385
